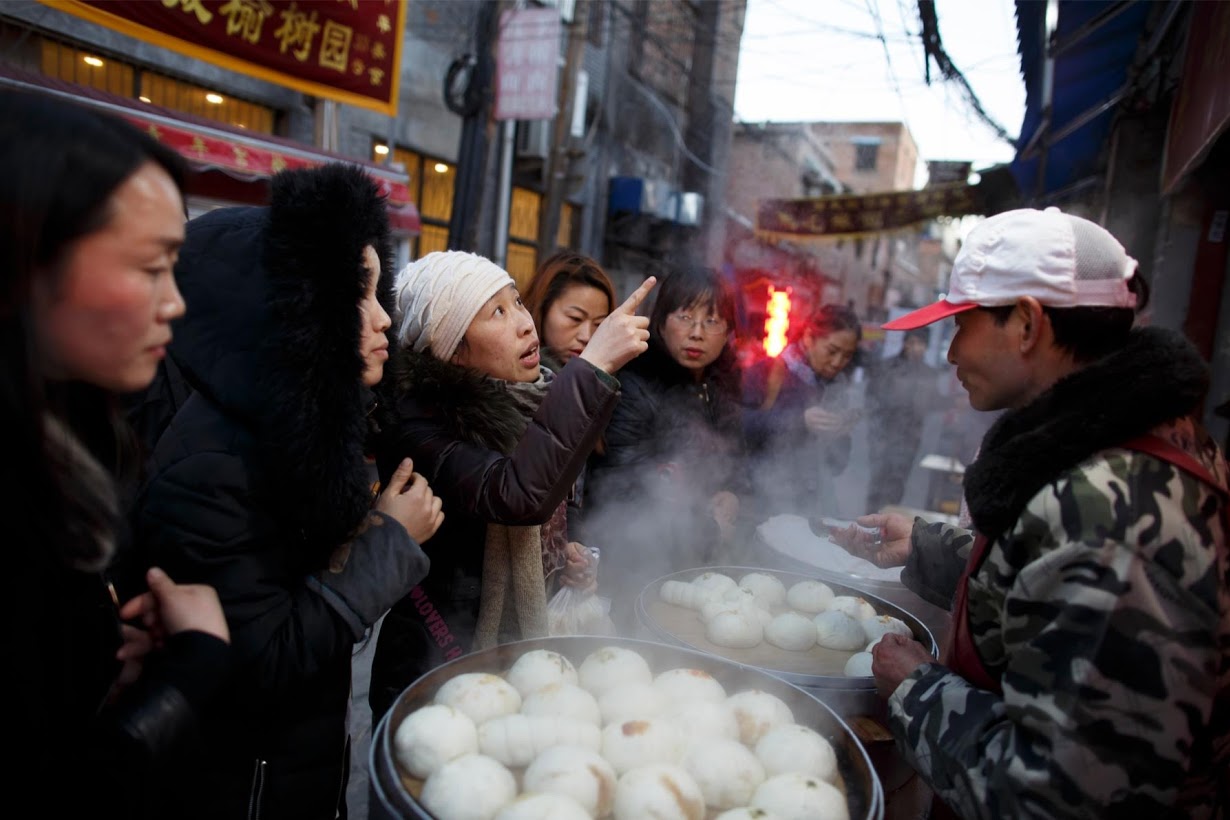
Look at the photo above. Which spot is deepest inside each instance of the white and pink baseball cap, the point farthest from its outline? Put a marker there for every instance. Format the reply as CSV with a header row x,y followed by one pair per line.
x,y
1059,259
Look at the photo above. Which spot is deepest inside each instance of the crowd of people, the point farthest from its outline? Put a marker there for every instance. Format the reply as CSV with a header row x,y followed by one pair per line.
x,y
239,441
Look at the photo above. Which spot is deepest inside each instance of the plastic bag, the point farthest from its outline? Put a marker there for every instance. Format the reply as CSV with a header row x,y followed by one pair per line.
x,y
575,612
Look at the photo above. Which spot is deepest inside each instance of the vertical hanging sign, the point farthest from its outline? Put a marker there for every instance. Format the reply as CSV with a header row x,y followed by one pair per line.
x,y
527,64
342,50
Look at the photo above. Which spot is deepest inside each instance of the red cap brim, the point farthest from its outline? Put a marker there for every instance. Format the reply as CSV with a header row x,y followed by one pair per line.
x,y
925,316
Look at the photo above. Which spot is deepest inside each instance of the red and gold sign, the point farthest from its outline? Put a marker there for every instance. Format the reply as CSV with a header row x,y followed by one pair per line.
x,y
866,213
344,50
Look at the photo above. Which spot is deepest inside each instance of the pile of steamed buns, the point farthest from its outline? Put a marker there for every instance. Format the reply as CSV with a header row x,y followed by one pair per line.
x,y
550,741
758,607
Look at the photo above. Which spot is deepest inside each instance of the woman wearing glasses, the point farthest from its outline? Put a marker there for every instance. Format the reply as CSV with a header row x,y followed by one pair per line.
x,y
663,496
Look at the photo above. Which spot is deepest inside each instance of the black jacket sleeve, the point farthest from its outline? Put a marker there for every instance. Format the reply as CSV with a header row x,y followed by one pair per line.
x,y
526,486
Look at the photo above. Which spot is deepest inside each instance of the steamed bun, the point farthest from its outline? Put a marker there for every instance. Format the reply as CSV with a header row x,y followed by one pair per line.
x,y
659,791
472,787
689,686
859,665
726,772
576,772
611,667
798,749
857,608
768,590
480,696
543,807
757,713
809,596
792,631
837,630
796,796
539,667
735,630
432,736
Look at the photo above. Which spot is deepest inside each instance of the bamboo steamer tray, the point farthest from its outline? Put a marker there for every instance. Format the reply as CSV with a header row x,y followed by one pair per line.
x,y
395,793
819,670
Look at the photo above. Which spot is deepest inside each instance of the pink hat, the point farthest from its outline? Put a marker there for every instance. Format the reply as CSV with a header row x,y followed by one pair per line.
x,y
1059,259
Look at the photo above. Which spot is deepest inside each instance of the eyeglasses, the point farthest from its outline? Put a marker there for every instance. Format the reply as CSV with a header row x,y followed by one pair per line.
x,y
711,326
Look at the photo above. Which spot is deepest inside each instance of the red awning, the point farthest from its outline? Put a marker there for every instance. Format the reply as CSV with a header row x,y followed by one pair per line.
x,y
212,149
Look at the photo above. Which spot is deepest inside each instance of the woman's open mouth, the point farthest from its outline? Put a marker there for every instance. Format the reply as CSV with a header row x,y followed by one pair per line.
x,y
530,357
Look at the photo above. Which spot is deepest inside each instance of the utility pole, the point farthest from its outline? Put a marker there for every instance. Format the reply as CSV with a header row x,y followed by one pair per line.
x,y
473,105
559,158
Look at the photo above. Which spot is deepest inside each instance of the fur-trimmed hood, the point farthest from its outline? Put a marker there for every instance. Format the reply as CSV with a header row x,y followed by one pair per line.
x,y
477,408
272,333
1158,376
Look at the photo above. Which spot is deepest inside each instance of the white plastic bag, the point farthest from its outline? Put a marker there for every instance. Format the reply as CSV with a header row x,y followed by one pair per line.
x,y
575,612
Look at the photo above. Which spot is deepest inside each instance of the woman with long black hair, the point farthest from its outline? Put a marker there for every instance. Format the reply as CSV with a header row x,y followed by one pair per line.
x,y
92,217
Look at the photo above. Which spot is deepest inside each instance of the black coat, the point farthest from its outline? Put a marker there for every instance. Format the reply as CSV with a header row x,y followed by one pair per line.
x,y
80,755
260,477
463,433
672,443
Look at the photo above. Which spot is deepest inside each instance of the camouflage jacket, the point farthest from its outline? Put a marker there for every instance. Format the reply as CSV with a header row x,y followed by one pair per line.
x,y
1103,608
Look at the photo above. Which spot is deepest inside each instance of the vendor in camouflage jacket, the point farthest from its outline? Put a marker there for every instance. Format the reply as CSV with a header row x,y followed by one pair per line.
x,y
1088,669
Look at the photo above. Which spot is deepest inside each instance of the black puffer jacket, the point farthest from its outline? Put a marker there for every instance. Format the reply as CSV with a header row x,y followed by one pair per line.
x,y
457,426
260,477
672,443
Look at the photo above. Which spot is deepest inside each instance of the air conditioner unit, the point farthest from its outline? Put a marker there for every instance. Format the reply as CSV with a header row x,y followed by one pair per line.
x,y
534,138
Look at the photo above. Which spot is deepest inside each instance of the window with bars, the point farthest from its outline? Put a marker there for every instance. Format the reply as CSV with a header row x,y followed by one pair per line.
x,y
523,221
67,62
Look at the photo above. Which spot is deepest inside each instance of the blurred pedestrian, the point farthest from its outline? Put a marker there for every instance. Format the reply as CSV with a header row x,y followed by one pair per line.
x,y
106,694
260,486
798,415
901,393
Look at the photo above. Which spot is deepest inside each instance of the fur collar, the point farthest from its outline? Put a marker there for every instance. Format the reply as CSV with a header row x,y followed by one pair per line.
x,y
1156,377
475,407
91,502
272,337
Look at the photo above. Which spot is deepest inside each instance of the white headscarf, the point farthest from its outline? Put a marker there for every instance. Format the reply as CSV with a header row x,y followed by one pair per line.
x,y
439,295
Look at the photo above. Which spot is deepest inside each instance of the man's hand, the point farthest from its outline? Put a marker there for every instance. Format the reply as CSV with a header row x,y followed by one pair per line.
x,y
894,659
892,548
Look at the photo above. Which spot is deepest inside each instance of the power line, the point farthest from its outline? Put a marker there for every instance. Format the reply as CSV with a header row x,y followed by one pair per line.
x,y
888,57
934,48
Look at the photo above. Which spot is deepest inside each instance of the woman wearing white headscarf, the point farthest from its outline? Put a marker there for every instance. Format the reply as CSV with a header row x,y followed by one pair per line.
x,y
501,439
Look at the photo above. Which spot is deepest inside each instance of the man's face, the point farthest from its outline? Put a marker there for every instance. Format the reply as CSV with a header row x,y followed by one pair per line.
x,y
989,362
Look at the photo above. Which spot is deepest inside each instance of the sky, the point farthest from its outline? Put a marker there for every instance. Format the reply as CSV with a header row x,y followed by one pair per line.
x,y
804,60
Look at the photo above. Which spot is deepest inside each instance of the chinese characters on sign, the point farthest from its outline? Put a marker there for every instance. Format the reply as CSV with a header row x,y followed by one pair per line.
x,y
866,213
527,64
343,50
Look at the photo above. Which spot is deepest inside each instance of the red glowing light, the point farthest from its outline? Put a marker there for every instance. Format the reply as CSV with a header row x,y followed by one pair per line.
x,y
777,321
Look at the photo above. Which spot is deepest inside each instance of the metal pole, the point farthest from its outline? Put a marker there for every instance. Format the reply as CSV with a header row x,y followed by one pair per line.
x,y
508,136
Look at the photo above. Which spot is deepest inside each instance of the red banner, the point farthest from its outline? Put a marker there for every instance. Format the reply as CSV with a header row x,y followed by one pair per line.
x,y
866,213
1201,109
344,50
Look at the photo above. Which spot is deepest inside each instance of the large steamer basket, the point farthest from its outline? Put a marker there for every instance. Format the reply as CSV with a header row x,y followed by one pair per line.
x,y
392,792
781,557
819,671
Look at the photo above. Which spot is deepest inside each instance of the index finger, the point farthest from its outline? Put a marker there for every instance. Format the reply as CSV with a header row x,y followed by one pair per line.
x,y
634,301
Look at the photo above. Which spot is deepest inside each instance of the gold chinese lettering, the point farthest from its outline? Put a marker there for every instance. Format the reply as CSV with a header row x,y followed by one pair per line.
x,y
378,52
154,132
382,23
842,222
873,220
198,146
335,46
298,28
277,164
357,68
354,4
377,75
245,18
362,43
241,156
203,15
